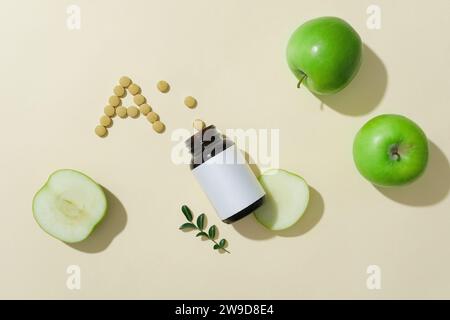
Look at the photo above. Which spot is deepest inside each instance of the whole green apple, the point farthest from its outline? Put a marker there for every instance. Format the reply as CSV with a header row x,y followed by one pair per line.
x,y
390,150
324,54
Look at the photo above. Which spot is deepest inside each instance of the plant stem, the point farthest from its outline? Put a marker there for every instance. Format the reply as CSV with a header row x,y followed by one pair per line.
x,y
215,242
301,80
200,227
219,245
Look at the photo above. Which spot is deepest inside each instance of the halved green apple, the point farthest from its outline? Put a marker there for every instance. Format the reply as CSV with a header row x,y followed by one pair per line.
x,y
287,197
69,205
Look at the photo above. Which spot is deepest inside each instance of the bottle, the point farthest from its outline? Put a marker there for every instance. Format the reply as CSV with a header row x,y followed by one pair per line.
x,y
224,175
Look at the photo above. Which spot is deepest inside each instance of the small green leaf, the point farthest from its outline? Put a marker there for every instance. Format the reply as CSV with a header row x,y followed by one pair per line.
x,y
187,212
200,225
212,232
187,225
223,243
201,234
201,221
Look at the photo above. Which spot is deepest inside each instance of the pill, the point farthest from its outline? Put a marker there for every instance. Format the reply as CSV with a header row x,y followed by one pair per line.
x,y
101,131
114,101
198,124
152,117
125,81
163,86
121,112
139,99
158,126
105,121
119,91
190,102
110,111
134,89
145,109
133,111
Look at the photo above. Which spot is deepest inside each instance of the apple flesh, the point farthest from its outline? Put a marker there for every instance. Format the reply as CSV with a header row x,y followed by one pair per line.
x,y
390,150
287,197
324,54
69,205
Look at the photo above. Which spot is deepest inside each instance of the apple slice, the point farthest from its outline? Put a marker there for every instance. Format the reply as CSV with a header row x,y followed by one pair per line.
x,y
69,205
287,197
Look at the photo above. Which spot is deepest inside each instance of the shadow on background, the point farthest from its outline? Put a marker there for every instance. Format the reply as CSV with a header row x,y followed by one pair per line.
x,y
365,91
430,188
113,224
253,166
252,229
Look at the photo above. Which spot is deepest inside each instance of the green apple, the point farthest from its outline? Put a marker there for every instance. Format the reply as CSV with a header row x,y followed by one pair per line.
x,y
324,54
390,150
69,205
287,197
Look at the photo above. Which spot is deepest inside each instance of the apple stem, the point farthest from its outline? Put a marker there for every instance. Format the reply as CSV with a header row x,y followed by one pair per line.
x,y
301,80
395,155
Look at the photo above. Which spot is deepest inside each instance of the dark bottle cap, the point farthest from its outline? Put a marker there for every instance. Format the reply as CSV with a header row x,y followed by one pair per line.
x,y
205,144
199,141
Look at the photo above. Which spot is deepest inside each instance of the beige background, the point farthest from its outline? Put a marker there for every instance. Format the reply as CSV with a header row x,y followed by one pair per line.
x,y
230,55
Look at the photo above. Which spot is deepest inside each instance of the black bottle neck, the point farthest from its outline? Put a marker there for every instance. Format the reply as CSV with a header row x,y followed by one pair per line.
x,y
206,144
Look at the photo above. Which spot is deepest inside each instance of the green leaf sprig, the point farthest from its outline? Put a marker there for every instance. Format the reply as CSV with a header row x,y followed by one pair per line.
x,y
201,227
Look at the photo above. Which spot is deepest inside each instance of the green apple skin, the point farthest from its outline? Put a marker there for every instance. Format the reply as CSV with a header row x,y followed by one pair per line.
x,y
324,54
390,150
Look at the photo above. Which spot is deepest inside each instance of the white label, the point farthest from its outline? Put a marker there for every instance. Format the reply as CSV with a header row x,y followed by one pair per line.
x,y
228,182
